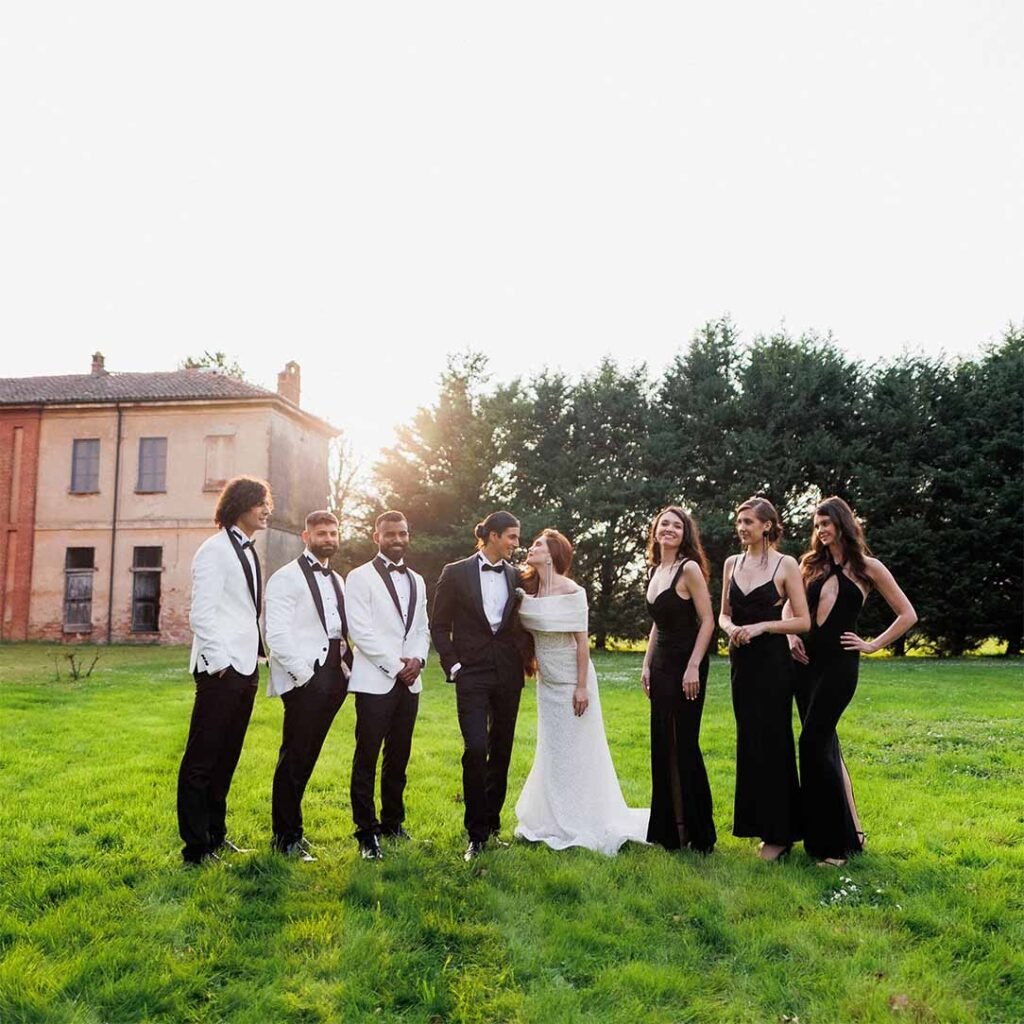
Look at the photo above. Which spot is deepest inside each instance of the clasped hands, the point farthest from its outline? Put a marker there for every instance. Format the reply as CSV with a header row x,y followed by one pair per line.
x,y
741,635
410,671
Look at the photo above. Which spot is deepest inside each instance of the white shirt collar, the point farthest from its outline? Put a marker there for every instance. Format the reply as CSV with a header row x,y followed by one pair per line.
x,y
484,560
312,558
387,561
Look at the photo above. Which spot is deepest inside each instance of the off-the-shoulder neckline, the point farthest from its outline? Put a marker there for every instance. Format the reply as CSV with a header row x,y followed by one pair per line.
x,y
571,593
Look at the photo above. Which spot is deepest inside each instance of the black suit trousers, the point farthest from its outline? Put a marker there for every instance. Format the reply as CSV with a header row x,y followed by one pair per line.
x,y
388,719
488,707
309,712
220,717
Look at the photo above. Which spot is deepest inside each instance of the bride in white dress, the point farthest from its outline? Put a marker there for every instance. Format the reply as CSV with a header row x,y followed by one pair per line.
x,y
572,795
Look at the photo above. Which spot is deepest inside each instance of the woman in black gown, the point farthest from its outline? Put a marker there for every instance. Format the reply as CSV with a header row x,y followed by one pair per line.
x,y
675,676
838,572
755,586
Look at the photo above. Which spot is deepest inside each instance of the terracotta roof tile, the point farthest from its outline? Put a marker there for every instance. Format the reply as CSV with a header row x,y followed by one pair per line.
x,y
168,386
125,387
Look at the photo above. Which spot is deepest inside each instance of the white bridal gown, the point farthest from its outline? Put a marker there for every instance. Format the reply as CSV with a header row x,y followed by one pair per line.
x,y
572,795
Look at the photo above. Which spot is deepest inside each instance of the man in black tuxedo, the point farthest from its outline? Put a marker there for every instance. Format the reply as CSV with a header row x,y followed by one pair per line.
x,y
473,625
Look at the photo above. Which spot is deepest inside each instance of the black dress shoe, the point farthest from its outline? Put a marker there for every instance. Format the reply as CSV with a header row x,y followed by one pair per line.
x,y
207,858
369,849
229,847
475,848
295,851
396,833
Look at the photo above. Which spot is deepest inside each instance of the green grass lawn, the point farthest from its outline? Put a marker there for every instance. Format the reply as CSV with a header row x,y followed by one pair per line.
x,y
100,923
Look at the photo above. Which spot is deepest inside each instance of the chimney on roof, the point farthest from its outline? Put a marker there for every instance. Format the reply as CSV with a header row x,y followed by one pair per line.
x,y
97,364
288,382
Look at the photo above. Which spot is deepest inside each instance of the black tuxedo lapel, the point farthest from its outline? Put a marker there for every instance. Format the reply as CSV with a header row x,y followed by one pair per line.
x,y
412,603
307,571
255,585
476,589
340,598
389,582
510,579
247,569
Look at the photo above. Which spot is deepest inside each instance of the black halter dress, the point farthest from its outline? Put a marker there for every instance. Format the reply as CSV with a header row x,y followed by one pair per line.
x,y
824,688
767,801
681,810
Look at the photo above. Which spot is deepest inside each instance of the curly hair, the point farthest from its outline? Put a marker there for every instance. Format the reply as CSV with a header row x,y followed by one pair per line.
x,y
240,495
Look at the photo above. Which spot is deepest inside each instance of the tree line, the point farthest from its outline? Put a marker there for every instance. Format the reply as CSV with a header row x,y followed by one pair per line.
x,y
928,451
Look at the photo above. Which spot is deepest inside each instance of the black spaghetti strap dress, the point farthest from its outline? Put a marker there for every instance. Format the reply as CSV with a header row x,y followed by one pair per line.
x,y
767,801
824,688
681,810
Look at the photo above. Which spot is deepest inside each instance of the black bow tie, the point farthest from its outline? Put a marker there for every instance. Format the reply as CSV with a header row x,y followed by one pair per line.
x,y
487,567
317,567
248,544
403,569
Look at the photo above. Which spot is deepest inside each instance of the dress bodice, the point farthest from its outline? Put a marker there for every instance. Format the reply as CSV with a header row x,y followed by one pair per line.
x,y
675,616
553,621
761,604
842,617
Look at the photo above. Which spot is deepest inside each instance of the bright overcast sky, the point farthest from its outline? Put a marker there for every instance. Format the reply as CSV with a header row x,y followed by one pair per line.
x,y
365,187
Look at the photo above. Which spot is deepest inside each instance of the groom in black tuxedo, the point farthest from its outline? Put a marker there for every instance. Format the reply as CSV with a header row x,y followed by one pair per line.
x,y
473,625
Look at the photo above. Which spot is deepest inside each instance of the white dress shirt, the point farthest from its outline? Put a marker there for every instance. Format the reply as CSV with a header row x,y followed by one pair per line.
x,y
250,552
401,581
331,614
494,590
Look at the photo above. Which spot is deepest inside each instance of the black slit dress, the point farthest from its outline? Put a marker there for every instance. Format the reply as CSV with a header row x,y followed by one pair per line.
x,y
676,758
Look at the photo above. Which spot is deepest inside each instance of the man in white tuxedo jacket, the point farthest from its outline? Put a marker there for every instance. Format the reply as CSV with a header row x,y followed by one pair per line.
x,y
310,662
387,609
224,616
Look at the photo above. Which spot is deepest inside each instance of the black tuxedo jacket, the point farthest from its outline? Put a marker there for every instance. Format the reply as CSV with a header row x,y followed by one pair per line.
x,y
460,630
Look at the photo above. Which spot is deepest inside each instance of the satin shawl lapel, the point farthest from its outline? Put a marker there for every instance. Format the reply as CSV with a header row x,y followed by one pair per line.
x,y
510,579
340,597
389,582
473,574
307,571
254,585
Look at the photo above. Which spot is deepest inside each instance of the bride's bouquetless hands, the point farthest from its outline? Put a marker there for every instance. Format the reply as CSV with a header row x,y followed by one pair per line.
x,y
580,700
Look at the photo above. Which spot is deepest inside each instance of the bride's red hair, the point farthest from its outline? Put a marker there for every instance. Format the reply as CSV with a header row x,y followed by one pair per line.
x,y
560,551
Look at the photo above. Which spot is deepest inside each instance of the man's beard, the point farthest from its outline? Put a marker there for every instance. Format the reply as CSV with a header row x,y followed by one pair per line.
x,y
323,551
394,553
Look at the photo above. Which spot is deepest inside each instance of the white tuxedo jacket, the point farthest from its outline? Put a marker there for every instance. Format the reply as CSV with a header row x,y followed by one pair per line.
x,y
296,628
224,616
380,635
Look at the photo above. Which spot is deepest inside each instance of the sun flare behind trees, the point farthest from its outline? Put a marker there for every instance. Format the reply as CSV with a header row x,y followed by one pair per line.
x,y
928,452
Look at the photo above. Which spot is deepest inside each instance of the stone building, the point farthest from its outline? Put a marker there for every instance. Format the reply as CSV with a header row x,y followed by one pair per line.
x,y
108,484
